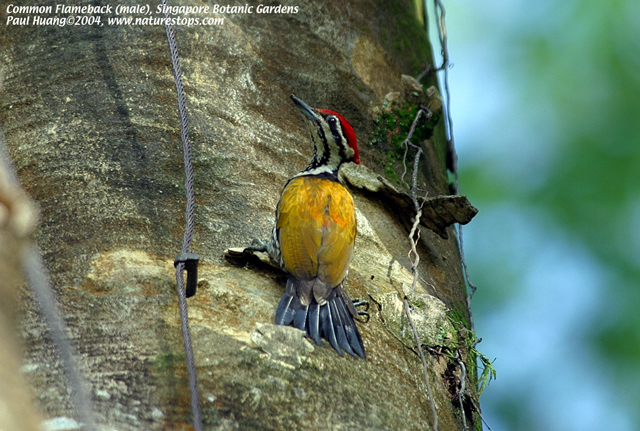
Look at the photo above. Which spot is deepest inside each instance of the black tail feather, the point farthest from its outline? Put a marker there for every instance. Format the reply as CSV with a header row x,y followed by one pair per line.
x,y
328,328
355,341
339,326
332,321
286,309
300,318
313,330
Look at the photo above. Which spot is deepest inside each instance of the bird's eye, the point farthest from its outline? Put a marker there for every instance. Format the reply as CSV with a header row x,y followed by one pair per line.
x,y
332,121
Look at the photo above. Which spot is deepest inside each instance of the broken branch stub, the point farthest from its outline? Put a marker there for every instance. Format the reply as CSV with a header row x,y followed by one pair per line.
x,y
438,212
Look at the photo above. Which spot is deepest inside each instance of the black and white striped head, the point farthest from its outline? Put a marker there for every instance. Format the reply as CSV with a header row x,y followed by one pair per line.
x,y
334,140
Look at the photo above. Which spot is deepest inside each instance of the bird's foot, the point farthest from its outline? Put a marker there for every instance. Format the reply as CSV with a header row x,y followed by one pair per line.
x,y
257,245
359,303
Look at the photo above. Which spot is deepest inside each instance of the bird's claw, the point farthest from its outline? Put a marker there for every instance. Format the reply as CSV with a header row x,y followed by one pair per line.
x,y
357,302
257,245
361,302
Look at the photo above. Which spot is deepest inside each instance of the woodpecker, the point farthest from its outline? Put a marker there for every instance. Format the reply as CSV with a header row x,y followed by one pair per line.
x,y
314,234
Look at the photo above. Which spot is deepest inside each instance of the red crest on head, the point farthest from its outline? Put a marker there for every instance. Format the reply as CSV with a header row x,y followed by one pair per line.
x,y
349,133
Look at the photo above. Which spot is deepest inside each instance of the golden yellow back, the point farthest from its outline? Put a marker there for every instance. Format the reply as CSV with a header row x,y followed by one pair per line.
x,y
316,221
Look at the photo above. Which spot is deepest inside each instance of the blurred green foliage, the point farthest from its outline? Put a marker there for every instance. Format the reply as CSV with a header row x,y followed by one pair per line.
x,y
573,70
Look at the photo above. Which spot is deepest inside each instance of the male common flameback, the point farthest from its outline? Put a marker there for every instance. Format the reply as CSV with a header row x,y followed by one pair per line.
x,y
314,235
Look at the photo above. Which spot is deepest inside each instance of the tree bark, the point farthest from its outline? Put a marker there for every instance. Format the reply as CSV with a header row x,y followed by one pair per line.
x,y
90,118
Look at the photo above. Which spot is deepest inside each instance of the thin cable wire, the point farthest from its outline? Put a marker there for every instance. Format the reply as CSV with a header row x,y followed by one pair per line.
x,y
440,14
432,401
414,237
189,221
37,278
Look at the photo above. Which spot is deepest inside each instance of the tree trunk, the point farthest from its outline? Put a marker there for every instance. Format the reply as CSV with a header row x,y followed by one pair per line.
x,y
90,118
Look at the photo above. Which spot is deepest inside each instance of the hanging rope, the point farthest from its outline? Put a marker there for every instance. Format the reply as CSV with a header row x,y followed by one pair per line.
x,y
452,158
35,273
185,258
38,280
452,165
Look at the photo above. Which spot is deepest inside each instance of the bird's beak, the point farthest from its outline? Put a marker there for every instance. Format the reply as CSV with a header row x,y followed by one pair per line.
x,y
307,110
